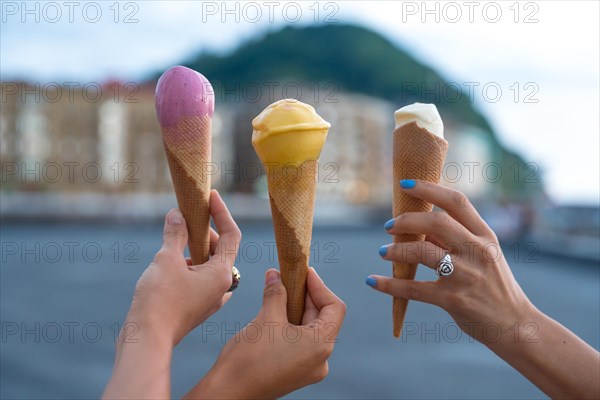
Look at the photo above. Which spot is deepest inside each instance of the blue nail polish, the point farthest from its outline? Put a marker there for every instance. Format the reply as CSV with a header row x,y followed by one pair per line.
x,y
407,183
371,281
383,251
388,225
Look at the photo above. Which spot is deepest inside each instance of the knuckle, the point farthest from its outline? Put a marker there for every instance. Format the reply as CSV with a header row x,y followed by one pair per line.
x,y
490,252
274,290
412,292
441,220
459,199
321,373
224,281
324,352
236,234
492,235
489,233
174,233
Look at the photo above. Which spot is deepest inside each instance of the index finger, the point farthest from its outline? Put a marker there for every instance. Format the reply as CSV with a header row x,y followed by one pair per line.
x,y
455,203
331,308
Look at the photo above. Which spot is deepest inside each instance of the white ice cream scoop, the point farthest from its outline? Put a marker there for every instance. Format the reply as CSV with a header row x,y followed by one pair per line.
x,y
425,115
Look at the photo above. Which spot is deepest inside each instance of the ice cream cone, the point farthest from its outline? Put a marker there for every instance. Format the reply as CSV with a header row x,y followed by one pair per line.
x,y
188,157
288,137
292,196
185,106
418,154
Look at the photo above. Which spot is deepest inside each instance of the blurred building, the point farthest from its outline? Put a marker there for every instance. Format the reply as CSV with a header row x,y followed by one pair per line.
x,y
61,142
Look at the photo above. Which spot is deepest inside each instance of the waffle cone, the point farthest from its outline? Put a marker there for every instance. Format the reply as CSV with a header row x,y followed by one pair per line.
x,y
187,145
292,196
418,154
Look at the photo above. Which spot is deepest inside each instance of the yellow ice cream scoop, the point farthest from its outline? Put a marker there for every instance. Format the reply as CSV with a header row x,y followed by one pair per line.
x,y
288,132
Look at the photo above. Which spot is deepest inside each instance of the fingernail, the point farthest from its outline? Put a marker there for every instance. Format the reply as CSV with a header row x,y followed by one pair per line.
x,y
175,217
388,225
371,281
407,183
272,277
383,251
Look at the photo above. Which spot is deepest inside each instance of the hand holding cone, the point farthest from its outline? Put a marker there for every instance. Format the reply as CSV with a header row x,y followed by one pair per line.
x,y
288,137
185,106
419,152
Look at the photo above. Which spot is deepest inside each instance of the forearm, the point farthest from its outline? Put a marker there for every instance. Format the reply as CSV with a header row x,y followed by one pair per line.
x,y
553,358
142,368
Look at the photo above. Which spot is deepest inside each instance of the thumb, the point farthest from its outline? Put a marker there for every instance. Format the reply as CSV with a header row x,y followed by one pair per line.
x,y
175,235
274,296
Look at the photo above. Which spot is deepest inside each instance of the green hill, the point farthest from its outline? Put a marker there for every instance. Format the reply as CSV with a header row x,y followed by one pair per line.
x,y
354,59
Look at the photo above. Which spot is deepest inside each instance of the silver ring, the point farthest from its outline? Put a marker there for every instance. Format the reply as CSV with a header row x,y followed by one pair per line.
x,y
235,279
445,266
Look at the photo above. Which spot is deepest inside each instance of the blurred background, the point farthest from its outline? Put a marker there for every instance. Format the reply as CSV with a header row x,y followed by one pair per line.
x,y
85,183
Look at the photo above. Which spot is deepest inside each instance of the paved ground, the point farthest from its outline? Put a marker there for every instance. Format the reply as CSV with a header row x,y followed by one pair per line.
x,y
77,297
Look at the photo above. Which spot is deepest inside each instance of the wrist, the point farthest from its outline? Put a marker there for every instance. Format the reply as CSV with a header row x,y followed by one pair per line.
x,y
219,384
143,341
518,333
142,327
139,343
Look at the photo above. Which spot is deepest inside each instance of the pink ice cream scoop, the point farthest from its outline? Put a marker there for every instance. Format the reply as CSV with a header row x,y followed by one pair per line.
x,y
185,106
182,92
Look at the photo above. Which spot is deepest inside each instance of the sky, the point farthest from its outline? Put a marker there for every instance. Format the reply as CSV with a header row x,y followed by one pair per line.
x,y
533,67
